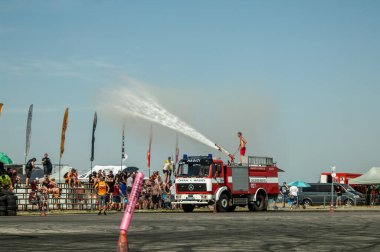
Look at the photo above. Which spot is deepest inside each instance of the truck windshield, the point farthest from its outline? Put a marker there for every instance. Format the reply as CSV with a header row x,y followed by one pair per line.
x,y
194,170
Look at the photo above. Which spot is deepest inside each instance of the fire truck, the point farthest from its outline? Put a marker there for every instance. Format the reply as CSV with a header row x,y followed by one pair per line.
x,y
203,181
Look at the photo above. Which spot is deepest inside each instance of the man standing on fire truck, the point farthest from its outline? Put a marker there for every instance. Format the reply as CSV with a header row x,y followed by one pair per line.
x,y
242,144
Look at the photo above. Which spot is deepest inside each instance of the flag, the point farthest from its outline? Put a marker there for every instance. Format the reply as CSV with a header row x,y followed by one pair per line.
x,y
124,155
63,135
28,130
93,136
150,147
1,108
176,150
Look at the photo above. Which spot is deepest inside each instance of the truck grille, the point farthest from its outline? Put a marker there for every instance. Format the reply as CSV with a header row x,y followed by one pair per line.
x,y
190,187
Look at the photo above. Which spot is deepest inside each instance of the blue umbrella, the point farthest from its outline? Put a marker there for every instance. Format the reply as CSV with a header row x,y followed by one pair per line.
x,y
5,159
299,183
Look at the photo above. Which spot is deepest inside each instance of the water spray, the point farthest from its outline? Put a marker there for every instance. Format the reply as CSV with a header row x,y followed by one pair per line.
x,y
139,104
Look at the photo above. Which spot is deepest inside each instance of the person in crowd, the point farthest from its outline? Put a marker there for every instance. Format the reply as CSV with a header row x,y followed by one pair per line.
x,y
130,180
118,177
46,181
91,178
54,190
33,199
46,163
156,195
242,146
43,197
34,185
373,195
284,190
30,165
95,179
110,180
6,182
75,178
100,174
339,193
293,190
172,195
80,195
102,189
2,169
15,178
122,194
166,195
116,197
167,169
148,194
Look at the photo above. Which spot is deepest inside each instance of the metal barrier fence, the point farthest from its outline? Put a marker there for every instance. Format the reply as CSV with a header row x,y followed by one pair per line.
x,y
80,198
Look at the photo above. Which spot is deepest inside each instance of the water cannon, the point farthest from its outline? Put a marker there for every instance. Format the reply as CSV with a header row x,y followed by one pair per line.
x,y
221,149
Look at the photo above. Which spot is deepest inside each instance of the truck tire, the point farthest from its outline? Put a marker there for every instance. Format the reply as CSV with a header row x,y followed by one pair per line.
x,y
3,213
3,200
251,207
187,208
3,208
261,203
11,202
223,203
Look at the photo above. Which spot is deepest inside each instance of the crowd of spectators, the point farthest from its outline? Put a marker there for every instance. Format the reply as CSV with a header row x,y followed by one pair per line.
x,y
155,194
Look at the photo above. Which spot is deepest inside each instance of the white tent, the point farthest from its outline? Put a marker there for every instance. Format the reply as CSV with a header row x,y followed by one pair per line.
x,y
370,177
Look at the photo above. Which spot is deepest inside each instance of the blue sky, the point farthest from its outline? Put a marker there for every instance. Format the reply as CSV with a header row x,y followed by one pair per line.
x,y
299,78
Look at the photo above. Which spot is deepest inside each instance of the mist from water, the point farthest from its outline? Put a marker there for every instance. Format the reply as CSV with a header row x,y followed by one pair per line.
x,y
130,102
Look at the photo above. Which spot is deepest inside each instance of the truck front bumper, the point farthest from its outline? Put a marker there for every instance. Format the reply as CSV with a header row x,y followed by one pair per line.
x,y
194,199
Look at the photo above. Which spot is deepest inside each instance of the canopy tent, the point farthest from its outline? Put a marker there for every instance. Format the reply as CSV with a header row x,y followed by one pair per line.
x,y
370,177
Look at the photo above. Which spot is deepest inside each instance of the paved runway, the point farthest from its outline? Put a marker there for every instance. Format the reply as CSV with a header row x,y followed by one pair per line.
x,y
239,231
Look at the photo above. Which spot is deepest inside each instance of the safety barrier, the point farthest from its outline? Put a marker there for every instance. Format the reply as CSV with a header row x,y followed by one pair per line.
x,y
80,198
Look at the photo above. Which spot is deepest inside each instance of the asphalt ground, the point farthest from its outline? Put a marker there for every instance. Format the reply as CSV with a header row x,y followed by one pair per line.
x,y
199,231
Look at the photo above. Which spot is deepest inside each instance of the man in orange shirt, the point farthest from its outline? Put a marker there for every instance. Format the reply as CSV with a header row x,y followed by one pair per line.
x,y
102,189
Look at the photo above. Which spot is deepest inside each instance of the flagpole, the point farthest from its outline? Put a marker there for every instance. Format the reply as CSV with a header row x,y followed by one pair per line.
x,y
59,170
122,147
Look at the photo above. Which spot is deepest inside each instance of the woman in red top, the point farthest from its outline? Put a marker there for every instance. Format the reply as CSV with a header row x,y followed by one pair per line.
x,y
116,197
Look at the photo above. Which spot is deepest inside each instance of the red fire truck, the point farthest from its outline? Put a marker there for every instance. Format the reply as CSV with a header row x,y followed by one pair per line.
x,y
202,180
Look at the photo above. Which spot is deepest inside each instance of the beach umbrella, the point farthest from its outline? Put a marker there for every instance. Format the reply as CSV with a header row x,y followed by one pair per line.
x,y
299,183
5,159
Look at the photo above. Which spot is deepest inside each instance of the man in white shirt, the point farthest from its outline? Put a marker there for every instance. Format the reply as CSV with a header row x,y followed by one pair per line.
x,y
293,190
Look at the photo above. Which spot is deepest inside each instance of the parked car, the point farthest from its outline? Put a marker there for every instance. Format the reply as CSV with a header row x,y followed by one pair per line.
x,y
320,194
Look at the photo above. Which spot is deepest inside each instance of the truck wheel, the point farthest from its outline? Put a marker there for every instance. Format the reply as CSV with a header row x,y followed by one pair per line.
x,y
222,205
251,207
261,203
187,208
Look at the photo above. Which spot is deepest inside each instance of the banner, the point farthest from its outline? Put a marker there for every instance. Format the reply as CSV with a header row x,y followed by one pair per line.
x,y
63,135
93,136
28,131
1,108
150,147
123,155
